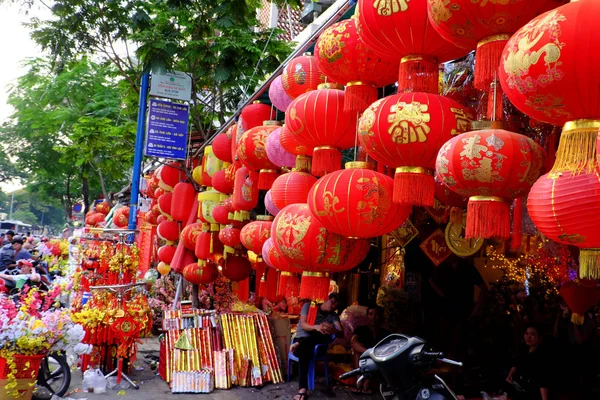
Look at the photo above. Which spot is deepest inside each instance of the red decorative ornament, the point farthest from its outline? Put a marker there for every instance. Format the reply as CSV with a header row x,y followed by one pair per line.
x,y
165,202
245,189
405,131
189,235
291,188
103,208
201,273
254,235
317,120
491,167
580,297
223,182
253,153
222,146
168,230
487,27
401,29
121,217
166,253
301,76
221,215
230,236
152,184
94,219
168,175
343,56
356,202
237,268
228,204
184,197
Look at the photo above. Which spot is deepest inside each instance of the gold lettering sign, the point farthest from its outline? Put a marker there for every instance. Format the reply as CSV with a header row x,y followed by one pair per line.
x,y
389,7
409,122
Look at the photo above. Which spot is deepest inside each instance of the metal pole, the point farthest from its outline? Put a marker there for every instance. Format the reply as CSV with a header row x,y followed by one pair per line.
x,y
12,200
139,151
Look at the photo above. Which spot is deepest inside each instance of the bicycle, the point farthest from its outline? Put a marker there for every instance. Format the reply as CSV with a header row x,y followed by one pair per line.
x,y
54,377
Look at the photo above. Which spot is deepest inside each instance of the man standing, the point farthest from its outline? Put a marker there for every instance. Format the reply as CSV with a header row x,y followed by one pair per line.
x,y
7,253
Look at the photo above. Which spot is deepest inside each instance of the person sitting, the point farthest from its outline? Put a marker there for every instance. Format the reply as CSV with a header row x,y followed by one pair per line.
x,y
308,336
25,273
364,338
20,252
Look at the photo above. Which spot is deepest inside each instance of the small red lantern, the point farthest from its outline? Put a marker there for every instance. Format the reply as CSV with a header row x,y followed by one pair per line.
x,y
317,119
234,144
343,57
580,297
165,202
252,153
121,217
189,235
184,197
166,253
245,189
291,188
221,215
491,167
223,182
254,235
201,273
204,245
168,230
222,146
302,75
253,115
158,192
152,186
405,131
151,218
168,175
356,202
162,218
103,207
237,268
230,236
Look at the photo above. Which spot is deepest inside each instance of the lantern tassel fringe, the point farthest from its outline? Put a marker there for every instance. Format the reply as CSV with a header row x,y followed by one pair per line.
x,y
289,285
576,151
487,60
589,264
418,75
311,318
266,177
358,97
577,319
326,159
488,219
314,288
414,188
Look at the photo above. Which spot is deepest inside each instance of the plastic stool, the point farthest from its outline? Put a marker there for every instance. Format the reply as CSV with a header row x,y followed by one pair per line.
x,y
320,354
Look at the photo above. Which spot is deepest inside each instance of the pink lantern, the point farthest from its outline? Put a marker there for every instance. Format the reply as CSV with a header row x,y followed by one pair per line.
x,y
279,98
269,205
276,153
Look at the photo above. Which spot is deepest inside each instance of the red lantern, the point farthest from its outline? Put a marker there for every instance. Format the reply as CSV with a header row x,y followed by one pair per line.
x,y
189,235
317,119
165,202
254,235
168,175
184,197
168,230
343,56
156,209
405,131
222,146
163,268
162,218
491,167
152,186
201,273
292,145
234,144
121,217
580,297
94,219
151,218
166,253
204,245
447,197
302,75
253,153
237,268
291,188
253,115
565,207
223,182
488,27
230,236
401,29
245,189
158,192
356,202
103,207
221,215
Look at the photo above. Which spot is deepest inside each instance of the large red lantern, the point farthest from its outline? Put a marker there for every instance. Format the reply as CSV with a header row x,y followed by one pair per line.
x,y
291,188
580,297
121,217
472,24
189,235
168,230
491,167
222,146
401,29
252,152
166,253
237,268
255,234
356,202
565,207
230,236
317,119
245,189
201,273
405,131
184,197
343,57
302,75
223,182
168,175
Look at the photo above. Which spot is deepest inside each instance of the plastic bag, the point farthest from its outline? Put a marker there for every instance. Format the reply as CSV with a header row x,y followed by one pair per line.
x,y
99,382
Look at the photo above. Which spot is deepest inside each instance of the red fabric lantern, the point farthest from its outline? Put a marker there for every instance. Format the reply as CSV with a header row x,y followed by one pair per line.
x,y
401,29
223,182
291,188
356,202
234,144
580,297
204,245
292,145
121,217
201,273
254,235
94,219
317,119
448,197
343,56
168,230
222,146
103,207
487,27
237,268
184,197
491,167
253,115
166,253
302,75
169,175
189,235
165,202
253,154
230,236
221,215
245,189
405,131
152,186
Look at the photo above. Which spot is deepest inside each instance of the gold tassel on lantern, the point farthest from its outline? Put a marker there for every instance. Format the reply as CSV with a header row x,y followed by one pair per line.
x,y
577,147
589,263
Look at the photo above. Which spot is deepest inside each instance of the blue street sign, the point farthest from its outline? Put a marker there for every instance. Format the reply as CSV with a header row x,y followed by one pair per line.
x,y
167,129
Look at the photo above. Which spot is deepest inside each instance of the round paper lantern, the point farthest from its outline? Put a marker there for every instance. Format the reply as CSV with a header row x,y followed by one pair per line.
x,y
158,192
317,119
162,218
343,57
271,208
151,218
580,297
491,167
291,188
221,215
230,236
405,131
228,204
166,253
201,273
276,153
279,98
165,202
222,183
237,268
302,75
356,202
401,29
121,217
152,184
197,175
291,144
163,268
103,207
234,144
253,115
245,189
254,235
447,197
221,146
487,27
189,235
94,219
168,230
168,175
252,153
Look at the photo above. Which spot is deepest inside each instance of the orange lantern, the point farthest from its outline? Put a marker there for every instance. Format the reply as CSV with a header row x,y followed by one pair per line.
x,y
103,207
189,235
184,197
302,75
255,234
163,268
317,120
245,189
491,167
237,268
201,273
168,230
222,146
166,253
164,203
356,202
252,153
291,188
405,131
121,217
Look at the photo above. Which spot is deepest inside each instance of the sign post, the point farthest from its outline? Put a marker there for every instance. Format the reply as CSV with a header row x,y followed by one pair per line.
x,y
167,130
